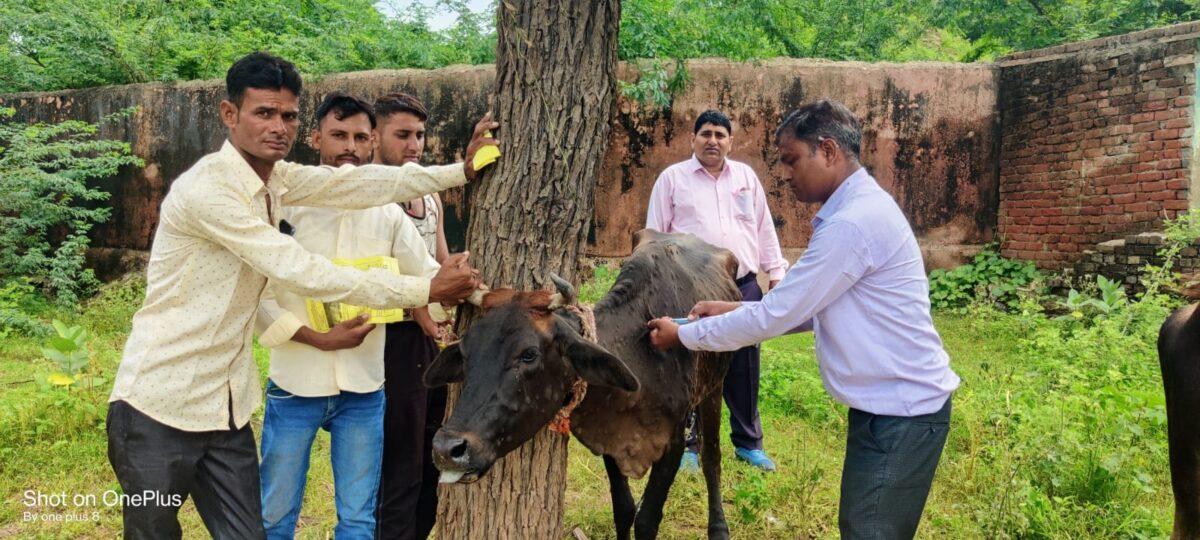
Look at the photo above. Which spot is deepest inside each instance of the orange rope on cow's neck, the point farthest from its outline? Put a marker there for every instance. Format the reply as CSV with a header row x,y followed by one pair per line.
x,y
562,419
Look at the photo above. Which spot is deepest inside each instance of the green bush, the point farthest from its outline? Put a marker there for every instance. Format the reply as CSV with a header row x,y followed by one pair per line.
x,y
20,304
989,277
46,205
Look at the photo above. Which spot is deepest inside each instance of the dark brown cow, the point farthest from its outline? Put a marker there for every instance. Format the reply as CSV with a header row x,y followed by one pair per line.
x,y
519,360
1179,356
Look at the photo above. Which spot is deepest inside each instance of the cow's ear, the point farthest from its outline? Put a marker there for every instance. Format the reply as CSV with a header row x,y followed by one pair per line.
x,y
593,363
446,368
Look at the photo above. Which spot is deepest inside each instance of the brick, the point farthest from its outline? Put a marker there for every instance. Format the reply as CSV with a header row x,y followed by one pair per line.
x,y
1170,114
1154,106
1177,123
1164,134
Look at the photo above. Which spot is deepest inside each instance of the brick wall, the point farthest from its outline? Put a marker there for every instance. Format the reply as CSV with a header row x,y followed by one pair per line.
x,y
1096,141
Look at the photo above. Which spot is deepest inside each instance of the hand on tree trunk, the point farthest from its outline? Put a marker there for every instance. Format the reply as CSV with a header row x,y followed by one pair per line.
x,y
479,139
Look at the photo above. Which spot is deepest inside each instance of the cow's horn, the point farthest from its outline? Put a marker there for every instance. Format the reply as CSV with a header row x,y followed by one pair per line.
x,y
565,295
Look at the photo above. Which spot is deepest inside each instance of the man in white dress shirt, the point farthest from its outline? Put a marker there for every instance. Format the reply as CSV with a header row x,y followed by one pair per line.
x,y
861,288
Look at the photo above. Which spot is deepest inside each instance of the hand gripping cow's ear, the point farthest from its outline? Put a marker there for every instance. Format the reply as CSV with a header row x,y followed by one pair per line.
x,y
446,368
593,363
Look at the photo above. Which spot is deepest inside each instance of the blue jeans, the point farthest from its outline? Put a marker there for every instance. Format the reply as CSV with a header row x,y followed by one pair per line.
x,y
355,424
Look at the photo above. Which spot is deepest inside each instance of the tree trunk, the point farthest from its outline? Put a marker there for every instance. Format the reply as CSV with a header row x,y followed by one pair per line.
x,y
555,95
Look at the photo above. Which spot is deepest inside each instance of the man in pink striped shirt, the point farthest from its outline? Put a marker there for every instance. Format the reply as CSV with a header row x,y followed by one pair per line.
x,y
722,202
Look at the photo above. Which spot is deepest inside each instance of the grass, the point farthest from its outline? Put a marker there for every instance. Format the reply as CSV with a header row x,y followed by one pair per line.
x,y
1049,440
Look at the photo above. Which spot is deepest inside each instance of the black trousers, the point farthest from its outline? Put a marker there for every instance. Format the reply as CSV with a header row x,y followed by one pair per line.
x,y
162,466
890,462
741,387
407,506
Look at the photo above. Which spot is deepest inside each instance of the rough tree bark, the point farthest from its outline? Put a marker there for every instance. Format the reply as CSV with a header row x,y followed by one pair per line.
x,y
555,95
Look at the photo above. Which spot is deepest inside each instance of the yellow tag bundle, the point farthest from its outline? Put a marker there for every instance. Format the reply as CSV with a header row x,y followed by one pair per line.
x,y
325,315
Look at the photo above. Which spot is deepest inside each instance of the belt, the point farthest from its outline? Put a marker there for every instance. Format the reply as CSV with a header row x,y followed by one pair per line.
x,y
746,279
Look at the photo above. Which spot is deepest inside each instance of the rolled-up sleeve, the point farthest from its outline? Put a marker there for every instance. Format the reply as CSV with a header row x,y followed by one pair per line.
x,y
228,221
274,324
349,187
835,260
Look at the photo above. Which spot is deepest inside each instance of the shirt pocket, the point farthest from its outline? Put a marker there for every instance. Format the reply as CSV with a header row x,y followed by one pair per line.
x,y
371,245
743,204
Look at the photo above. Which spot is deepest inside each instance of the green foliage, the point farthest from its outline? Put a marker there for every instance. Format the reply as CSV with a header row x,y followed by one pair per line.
x,y
593,290
20,303
655,84
997,27
1110,301
1058,432
69,350
751,497
989,277
53,44
46,205
1097,367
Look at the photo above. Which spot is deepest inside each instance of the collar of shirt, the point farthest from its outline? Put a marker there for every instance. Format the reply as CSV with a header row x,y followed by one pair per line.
x,y
247,180
841,195
695,166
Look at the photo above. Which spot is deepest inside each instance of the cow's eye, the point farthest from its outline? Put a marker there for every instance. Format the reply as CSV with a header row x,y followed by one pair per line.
x,y
529,355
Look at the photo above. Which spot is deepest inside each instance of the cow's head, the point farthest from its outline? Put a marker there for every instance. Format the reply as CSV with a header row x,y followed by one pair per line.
x,y
517,364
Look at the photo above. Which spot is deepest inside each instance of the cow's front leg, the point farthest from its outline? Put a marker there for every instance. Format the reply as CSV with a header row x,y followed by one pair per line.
x,y
662,475
622,500
710,459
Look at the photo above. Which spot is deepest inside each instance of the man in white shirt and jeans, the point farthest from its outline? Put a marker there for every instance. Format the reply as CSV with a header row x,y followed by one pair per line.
x,y
334,380
861,288
179,412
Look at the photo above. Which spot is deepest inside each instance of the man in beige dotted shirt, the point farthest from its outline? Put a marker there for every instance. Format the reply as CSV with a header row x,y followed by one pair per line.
x,y
178,419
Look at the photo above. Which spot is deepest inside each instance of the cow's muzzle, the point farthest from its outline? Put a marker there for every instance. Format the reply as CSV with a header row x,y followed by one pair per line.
x,y
452,455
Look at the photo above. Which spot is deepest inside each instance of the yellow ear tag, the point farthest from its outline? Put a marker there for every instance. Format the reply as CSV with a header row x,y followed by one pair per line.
x,y
485,156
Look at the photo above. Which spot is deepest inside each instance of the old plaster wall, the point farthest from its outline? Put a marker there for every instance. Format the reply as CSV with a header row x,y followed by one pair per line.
x,y
929,137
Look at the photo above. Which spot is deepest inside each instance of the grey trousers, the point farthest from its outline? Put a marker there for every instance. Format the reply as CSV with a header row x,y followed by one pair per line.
x,y
890,461
218,469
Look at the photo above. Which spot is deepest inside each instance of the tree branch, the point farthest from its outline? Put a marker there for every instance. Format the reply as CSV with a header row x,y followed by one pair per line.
x,y
1037,7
